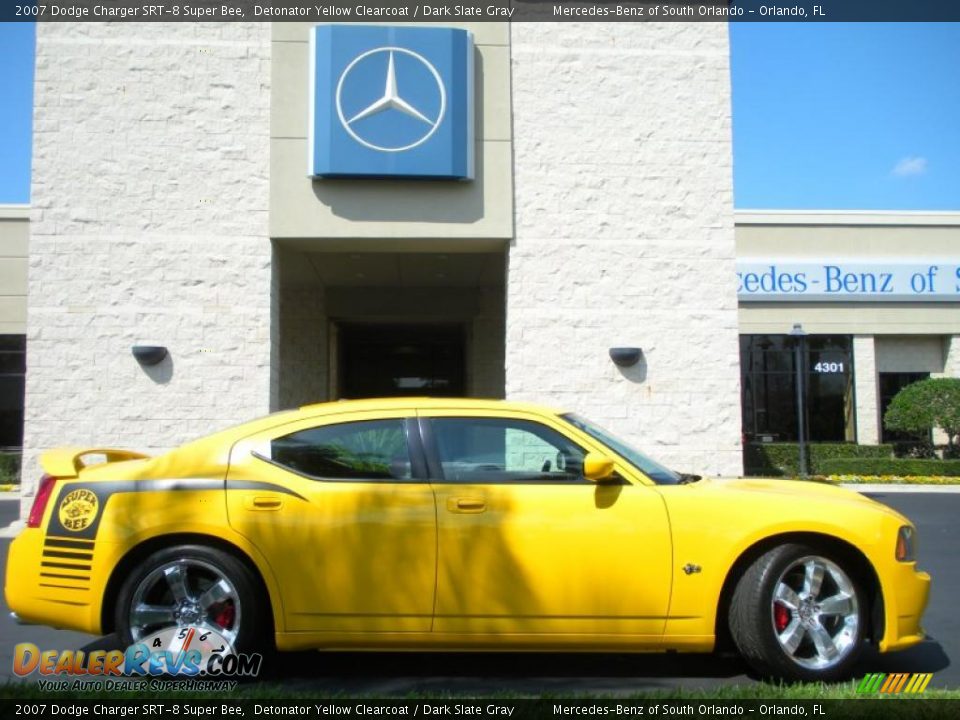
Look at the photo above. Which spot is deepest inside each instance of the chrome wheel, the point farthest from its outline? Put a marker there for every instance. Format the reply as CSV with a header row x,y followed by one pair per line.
x,y
185,592
815,613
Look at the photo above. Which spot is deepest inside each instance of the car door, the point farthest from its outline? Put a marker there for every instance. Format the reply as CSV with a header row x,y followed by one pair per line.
x,y
528,546
344,518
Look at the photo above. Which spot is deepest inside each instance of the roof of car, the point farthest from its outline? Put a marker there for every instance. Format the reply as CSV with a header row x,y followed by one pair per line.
x,y
216,440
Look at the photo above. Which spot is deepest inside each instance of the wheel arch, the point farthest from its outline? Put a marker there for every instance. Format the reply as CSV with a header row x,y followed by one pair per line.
x,y
837,547
139,552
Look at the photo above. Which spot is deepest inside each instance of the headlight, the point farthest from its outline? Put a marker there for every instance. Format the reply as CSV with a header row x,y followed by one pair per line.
x,y
906,544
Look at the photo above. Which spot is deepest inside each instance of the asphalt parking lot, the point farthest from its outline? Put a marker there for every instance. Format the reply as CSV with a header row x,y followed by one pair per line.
x,y
391,674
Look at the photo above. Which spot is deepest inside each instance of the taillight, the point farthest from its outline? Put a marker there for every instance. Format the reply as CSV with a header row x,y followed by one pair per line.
x,y
40,500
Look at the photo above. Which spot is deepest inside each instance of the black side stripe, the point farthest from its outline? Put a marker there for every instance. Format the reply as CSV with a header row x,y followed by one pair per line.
x,y
105,490
64,565
68,555
64,543
258,485
62,587
79,578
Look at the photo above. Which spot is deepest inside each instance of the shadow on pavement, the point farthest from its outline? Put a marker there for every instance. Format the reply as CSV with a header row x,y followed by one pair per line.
x,y
928,657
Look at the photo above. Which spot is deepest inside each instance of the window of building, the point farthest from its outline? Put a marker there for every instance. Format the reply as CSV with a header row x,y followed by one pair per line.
x,y
13,366
890,384
373,450
769,391
497,450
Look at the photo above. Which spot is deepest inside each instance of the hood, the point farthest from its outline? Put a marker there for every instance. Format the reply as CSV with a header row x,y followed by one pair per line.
x,y
798,489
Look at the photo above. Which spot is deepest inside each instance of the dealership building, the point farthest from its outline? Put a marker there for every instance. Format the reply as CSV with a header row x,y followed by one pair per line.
x,y
301,213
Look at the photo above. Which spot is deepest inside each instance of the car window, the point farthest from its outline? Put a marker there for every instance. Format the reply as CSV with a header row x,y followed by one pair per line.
x,y
651,468
372,450
498,450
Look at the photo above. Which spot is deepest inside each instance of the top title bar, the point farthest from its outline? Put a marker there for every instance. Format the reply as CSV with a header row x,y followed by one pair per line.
x,y
399,11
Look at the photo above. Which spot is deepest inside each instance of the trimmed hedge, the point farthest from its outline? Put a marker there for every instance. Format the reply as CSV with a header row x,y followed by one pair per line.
x,y
783,459
891,466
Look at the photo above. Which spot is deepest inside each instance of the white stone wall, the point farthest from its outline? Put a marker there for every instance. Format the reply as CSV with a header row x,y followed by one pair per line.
x,y
866,390
149,226
624,233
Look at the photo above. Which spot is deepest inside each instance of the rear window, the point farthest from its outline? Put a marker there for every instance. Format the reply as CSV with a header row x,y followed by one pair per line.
x,y
370,450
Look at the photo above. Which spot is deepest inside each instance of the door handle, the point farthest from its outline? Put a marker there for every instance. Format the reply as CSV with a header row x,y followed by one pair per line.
x,y
466,505
263,502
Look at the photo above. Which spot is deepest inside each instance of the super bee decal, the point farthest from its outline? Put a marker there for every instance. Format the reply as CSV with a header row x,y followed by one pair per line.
x,y
78,510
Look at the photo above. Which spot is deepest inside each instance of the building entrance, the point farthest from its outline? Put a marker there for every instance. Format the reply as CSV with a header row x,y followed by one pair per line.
x,y
392,360
387,324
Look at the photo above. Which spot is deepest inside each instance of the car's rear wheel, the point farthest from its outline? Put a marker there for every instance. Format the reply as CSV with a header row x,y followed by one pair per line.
x,y
191,586
798,614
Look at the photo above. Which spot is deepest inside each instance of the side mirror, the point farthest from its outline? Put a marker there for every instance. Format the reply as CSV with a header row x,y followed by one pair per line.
x,y
597,467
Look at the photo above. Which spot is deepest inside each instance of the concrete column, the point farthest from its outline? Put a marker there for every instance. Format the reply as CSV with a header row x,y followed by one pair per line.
x,y
303,352
951,356
866,390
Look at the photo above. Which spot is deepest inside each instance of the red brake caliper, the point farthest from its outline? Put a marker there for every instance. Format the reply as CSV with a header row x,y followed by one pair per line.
x,y
225,615
781,616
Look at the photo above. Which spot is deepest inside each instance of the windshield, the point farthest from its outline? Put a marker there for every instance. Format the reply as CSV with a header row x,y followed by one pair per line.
x,y
651,468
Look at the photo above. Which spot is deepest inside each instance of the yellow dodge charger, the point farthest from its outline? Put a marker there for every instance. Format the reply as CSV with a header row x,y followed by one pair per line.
x,y
456,525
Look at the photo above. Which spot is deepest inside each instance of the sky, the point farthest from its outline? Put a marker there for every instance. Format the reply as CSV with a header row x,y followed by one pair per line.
x,y
17,42
846,116
825,115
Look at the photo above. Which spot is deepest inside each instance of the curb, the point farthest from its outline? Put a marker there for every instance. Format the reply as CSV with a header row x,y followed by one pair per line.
x,y
12,530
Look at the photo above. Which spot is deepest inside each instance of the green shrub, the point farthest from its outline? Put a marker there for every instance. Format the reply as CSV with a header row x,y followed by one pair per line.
x,y
927,404
891,466
9,468
783,459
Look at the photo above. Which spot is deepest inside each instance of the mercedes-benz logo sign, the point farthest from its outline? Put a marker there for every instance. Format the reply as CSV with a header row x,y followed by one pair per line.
x,y
390,100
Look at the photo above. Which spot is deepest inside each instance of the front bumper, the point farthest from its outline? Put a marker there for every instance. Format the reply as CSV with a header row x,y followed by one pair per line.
x,y
905,595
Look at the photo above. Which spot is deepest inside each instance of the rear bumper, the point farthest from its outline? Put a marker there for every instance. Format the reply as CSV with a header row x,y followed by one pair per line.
x,y
905,598
49,590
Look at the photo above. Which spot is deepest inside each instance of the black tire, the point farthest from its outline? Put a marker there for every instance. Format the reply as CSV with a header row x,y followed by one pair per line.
x,y
250,610
765,628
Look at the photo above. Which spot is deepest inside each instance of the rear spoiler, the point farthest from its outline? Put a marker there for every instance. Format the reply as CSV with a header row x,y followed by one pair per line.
x,y
68,462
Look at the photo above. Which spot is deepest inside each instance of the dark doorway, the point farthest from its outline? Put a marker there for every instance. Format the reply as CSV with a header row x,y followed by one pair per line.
x,y
396,360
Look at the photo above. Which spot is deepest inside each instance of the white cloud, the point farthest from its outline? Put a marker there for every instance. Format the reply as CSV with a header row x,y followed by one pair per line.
x,y
910,165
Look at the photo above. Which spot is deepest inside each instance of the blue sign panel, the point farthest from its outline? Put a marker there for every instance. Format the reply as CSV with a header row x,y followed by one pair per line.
x,y
391,102
863,279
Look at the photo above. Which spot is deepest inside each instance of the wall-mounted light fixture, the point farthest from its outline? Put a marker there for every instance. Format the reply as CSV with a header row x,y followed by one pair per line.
x,y
149,354
625,356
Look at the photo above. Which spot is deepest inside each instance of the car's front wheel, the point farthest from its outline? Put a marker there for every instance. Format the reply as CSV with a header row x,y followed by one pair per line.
x,y
191,586
798,613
